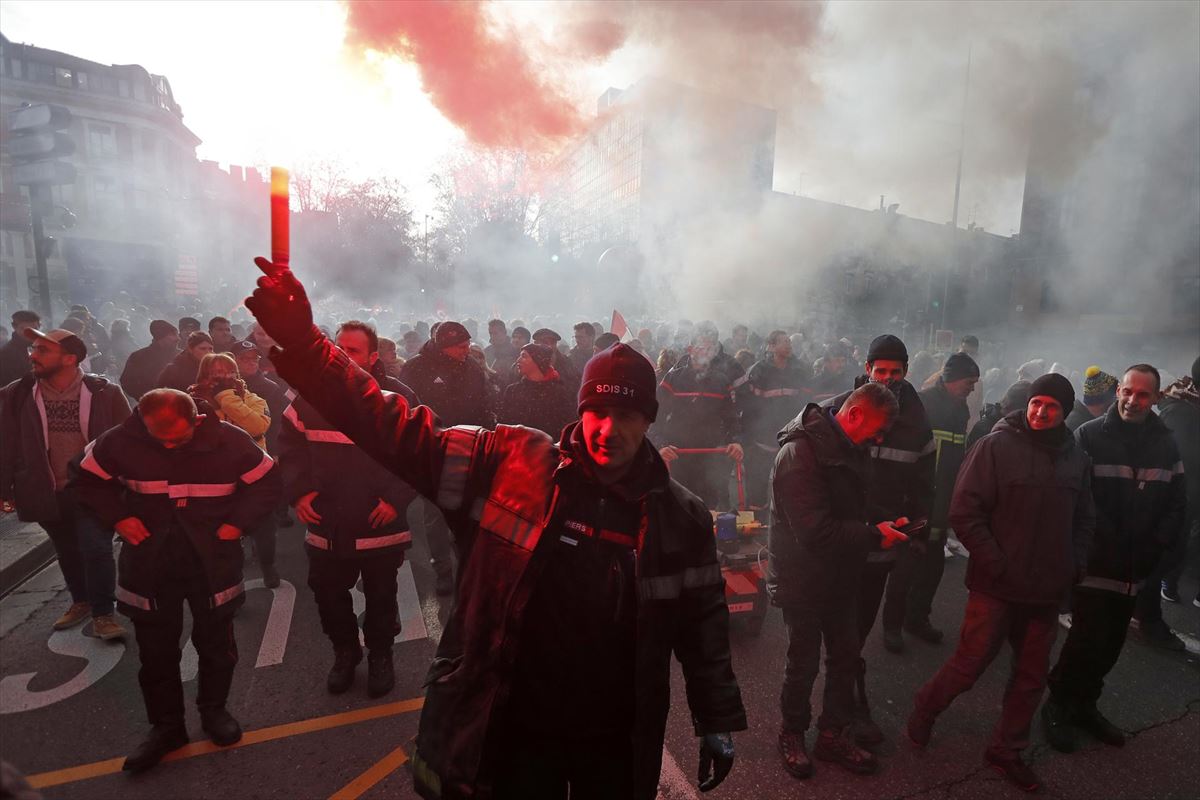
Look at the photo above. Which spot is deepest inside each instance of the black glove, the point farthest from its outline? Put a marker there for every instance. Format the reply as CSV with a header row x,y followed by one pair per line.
x,y
281,307
716,759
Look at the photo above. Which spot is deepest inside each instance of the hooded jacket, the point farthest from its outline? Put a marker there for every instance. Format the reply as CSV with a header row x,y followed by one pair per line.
x,y
902,465
820,532
180,373
220,477
501,490
26,476
1140,493
1024,511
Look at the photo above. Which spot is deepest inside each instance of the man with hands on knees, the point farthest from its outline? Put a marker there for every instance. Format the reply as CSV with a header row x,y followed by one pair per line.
x,y
583,568
180,488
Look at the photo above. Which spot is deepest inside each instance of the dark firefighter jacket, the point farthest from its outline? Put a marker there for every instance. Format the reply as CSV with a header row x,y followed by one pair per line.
x,y
1024,510
26,476
143,367
770,398
316,457
694,409
1140,493
820,533
456,391
902,465
500,491
948,418
220,477
1179,410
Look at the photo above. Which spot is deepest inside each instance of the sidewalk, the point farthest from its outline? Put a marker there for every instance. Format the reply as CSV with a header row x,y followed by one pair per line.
x,y
24,548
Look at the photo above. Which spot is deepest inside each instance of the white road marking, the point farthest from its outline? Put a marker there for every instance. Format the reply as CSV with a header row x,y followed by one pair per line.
x,y
672,783
101,657
412,621
275,636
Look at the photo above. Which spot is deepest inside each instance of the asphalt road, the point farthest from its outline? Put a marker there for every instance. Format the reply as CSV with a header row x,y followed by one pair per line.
x,y
70,711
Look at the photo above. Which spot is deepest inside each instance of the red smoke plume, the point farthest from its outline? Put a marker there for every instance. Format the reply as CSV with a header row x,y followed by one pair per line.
x,y
480,76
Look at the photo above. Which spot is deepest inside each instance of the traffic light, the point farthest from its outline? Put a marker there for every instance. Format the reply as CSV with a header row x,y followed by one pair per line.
x,y
38,142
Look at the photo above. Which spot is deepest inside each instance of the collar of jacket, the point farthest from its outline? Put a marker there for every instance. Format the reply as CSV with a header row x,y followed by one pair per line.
x,y
648,475
1015,423
1113,424
830,445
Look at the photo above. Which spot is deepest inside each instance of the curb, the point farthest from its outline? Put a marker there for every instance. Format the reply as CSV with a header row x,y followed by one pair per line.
x,y
24,566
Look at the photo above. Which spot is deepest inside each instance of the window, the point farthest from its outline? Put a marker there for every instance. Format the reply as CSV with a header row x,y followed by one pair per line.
x,y
102,140
41,73
64,77
139,91
82,79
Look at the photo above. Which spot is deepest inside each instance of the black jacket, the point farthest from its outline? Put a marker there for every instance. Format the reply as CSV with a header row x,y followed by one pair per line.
x,y
1179,410
1024,510
277,403
501,491
219,477
14,359
456,391
316,457
143,368
180,373
695,410
902,465
26,476
769,399
948,419
988,418
1079,415
1140,494
820,532
546,405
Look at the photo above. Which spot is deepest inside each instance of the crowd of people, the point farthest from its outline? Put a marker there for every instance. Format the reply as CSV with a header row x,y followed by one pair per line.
x,y
564,492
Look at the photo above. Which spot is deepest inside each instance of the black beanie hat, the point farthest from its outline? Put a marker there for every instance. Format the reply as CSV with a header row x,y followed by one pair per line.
x,y
160,328
619,376
959,366
451,333
542,356
889,348
1054,385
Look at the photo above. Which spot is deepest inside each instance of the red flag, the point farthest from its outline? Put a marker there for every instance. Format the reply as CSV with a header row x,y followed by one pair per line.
x,y
619,327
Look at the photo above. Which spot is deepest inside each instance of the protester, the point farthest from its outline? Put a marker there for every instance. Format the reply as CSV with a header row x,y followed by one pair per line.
x,y
121,346
539,399
220,386
389,359
1140,495
1015,397
14,356
538,614
187,326
221,331
181,372
820,535
181,546
48,418
1023,497
1179,410
501,353
1099,392
357,529
773,396
143,366
585,345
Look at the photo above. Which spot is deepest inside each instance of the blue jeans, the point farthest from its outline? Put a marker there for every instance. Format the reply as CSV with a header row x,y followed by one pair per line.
x,y
84,548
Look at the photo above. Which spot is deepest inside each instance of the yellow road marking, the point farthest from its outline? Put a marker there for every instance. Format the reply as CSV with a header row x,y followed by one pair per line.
x,y
113,765
377,772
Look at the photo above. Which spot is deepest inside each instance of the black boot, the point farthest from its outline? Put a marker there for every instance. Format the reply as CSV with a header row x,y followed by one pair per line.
x,y
839,747
1056,721
795,755
220,726
1091,720
893,640
923,631
270,576
341,674
162,739
381,675
863,728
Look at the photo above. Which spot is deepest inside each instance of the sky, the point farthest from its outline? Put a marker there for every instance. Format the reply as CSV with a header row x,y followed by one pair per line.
x,y
275,82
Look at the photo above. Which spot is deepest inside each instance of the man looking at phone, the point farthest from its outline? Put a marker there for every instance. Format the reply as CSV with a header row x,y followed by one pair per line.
x,y
819,539
1023,508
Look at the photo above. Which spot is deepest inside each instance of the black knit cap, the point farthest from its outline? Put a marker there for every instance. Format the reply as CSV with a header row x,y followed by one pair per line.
x,y
888,348
619,376
160,328
451,333
1054,385
959,366
542,355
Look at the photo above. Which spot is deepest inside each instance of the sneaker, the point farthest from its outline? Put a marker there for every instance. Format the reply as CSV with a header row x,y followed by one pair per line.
x,y
956,547
1091,720
893,641
795,755
1196,601
162,739
270,576
919,729
947,553
220,726
106,627
924,631
1060,732
74,615
1065,620
1016,771
1169,593
839,748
